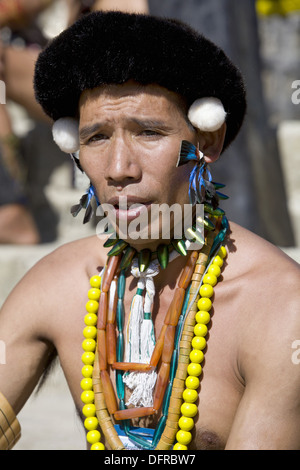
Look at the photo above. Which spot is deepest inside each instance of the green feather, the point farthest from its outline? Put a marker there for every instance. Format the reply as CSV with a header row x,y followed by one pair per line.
x,y
163,255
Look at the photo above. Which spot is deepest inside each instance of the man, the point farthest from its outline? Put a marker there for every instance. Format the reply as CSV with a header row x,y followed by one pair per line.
x,y
124,85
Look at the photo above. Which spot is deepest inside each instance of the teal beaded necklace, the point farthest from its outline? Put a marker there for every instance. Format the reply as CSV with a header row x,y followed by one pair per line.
x,y
135,436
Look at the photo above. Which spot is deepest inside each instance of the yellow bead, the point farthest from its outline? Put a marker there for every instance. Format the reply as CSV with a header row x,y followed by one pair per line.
x,y
91,423
88,358
214,269
90,332
199,342
89,345
192,382
200,329
194,369
89,410
94,294
189,410
183,437
87,396
222,252
218,261
92,306
210,279
189,395
178,446
202,317
90,319
93,436
204,304
185,423
87,371
196,356
86,384
98,446
206,290
95,281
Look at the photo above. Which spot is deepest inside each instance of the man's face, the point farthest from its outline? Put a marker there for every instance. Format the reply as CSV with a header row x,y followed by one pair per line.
x,y
130,138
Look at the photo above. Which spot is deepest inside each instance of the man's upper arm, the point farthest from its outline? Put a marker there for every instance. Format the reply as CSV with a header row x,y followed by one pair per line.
x,y
25,348
268,416
267,421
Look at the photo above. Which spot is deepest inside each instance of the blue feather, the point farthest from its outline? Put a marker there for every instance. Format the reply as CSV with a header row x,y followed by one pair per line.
x,y
85,203
201,186
193,185
188,153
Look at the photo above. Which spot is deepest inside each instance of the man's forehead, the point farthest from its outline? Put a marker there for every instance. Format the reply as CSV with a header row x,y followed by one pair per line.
x,y
132,91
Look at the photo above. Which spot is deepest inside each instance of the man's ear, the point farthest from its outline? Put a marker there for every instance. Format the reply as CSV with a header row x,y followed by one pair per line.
x,y
211,143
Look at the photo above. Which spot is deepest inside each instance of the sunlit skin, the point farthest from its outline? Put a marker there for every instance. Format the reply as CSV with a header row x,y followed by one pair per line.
x,y
129,144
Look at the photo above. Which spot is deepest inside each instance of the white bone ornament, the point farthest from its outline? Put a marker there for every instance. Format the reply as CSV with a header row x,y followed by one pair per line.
x,y
207,114
65,133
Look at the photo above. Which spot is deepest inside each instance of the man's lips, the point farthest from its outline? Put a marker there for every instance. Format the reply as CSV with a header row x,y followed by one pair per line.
x,y
128,208
127,201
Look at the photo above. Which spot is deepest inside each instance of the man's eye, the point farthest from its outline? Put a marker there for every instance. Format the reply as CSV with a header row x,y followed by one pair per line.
x,y
150,132
97,138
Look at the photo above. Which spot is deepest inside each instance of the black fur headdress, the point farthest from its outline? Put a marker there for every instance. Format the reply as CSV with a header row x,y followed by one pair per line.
x,y
114,47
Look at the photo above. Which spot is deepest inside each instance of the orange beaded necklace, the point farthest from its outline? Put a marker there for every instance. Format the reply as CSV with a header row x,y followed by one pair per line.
x,y
100,352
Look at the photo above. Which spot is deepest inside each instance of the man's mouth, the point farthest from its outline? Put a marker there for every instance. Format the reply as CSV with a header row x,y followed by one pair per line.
x,y
128,208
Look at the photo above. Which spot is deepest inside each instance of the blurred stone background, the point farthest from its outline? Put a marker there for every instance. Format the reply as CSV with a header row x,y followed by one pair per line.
x,y
49,420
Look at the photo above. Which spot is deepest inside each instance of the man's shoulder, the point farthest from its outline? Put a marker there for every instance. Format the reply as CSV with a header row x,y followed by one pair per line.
x,y
250,256
68,262
78,252
262,278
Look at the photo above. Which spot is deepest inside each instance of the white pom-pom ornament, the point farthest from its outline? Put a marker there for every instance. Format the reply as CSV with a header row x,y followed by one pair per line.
x,y
66,134
207,114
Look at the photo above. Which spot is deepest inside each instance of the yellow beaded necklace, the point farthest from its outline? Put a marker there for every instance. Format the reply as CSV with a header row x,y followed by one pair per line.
x,y
192,344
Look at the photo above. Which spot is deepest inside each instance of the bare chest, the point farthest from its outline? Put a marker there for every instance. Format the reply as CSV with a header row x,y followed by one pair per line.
x,y
219,392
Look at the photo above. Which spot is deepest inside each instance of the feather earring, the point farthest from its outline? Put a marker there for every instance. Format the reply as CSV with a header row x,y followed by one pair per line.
x,y
200,181
85,203
201,187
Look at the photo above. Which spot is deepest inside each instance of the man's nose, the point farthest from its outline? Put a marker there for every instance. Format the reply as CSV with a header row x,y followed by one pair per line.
x,y
123,163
